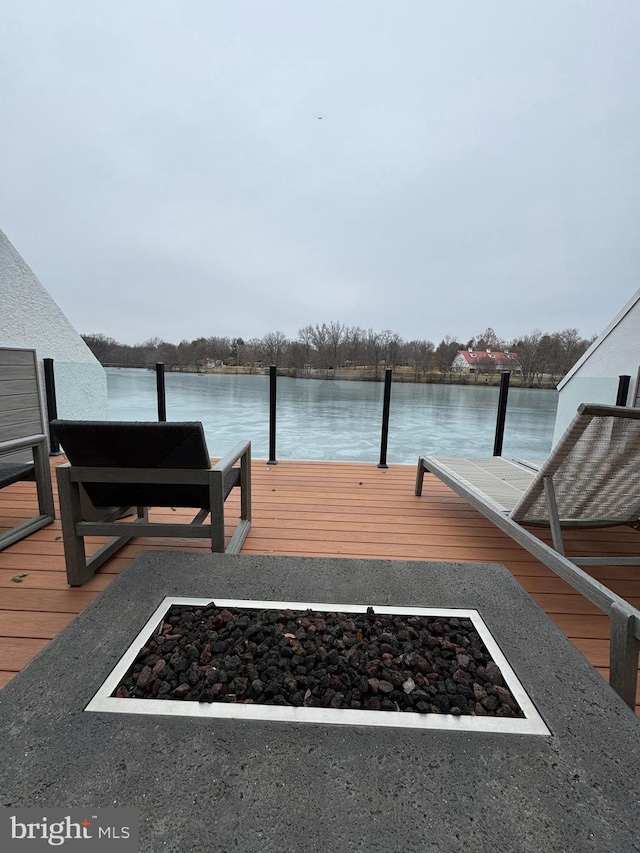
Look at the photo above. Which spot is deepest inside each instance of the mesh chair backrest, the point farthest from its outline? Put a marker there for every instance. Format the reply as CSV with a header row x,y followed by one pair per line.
x,y
131,444
595,468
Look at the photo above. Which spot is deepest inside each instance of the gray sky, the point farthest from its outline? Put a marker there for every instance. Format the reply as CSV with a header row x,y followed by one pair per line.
x,y
165,171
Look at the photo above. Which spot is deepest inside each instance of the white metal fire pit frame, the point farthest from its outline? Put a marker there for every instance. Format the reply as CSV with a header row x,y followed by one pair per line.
x,y
531,724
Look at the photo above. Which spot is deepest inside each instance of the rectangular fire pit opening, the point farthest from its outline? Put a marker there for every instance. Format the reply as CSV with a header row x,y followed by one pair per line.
x,y
344,665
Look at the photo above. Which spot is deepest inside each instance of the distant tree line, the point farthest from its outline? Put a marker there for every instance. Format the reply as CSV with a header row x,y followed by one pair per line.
x,y
328,346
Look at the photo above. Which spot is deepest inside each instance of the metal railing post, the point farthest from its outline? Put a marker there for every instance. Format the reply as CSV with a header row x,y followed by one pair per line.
x,y
162,400
623,390
386,405
273,372
52,403
502,412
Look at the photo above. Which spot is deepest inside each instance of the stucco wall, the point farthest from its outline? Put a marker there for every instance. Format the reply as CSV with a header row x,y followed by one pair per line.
x,y
29,317
618,353
595,380
591,389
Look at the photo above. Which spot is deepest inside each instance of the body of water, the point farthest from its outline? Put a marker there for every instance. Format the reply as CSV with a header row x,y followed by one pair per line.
x,y
340,420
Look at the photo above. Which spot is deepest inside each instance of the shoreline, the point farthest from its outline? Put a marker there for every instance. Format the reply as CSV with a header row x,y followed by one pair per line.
x,y
358,374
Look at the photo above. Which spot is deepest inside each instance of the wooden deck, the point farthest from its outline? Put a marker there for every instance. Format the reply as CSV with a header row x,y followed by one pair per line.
x,y
313,509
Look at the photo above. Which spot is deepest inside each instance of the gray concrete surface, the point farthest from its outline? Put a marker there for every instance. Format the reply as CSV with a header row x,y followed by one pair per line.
x,y
224,785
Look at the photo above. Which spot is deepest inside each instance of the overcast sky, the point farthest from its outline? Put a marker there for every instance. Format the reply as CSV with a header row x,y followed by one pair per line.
x,y
186,168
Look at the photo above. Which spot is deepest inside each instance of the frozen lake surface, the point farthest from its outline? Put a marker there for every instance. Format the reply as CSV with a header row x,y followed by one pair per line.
x,y
340,420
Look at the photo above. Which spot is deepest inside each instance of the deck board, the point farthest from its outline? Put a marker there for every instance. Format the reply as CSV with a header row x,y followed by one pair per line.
x,y
313,509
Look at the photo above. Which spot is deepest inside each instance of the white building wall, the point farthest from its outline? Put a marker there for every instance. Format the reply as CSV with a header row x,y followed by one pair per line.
x,y
30,318
595,377
460,363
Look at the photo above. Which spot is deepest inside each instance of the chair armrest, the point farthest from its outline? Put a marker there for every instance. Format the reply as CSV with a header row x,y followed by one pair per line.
x,y
14,444
597,410
227,461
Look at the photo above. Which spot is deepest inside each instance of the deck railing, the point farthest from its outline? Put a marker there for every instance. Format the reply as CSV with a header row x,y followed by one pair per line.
x,y
386,409
621,399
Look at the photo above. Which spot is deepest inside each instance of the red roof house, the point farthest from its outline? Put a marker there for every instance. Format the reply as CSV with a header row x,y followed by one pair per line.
x,y
478,361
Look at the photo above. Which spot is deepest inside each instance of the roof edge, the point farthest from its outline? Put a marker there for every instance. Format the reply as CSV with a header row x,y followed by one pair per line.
x,y
599,340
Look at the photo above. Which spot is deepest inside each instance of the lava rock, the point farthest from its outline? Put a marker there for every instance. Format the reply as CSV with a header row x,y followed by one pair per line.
x,y
367,661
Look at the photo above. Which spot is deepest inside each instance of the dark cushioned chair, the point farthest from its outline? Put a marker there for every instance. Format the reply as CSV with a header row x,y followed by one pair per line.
x,y
144,464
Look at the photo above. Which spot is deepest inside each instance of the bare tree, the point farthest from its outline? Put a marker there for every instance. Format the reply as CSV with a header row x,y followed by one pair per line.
x,y
167,353
445,353
218,348
297,355
333,344
391,342
236,353
488,340
252,352
573,347
336,334
305,337
102,347
374,348
320,340
529,356
419,355
354,343
275,345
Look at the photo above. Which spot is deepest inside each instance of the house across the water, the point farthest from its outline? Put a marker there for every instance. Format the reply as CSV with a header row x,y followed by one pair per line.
x,y
485,361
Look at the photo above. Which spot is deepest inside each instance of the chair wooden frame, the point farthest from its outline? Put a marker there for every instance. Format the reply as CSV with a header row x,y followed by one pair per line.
x,y
24,446
37,470
75,527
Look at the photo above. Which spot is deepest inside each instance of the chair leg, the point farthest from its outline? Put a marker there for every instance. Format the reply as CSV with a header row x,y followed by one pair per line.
x,y
70,514
216,502
554,521
420,475
245,485
43,480
79,568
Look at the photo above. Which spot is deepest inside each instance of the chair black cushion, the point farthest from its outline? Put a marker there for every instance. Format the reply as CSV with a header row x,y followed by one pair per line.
x,y
140,444
13,472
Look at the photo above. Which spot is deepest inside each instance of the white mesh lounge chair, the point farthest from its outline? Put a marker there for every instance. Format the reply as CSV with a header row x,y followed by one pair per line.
x,y
590,479
144,464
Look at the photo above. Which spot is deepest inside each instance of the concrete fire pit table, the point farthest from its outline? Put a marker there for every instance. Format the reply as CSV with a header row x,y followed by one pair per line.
x,y
223,784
